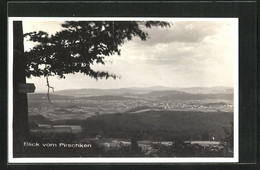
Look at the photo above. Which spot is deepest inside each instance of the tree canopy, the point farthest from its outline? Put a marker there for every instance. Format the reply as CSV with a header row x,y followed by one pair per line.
x,y
81,44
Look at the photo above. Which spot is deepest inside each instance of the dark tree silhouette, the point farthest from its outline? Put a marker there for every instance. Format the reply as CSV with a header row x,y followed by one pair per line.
x,y
80,45
229,139
20,109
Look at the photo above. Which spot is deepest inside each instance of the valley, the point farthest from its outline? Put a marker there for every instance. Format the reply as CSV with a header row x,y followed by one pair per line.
x,y
142,114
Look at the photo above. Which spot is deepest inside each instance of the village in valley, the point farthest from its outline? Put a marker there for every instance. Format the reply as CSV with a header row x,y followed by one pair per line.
x,y
76,116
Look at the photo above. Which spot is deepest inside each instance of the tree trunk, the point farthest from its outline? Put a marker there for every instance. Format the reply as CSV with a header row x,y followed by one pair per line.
x,y
20,104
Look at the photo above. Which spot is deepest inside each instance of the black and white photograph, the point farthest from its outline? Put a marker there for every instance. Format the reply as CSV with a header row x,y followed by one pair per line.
x,y
123,89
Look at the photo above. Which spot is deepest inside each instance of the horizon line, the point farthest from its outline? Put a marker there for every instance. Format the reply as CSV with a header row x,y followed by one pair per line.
x,y
136,87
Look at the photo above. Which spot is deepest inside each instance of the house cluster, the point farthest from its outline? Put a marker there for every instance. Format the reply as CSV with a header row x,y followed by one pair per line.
x,y
147,146
46,128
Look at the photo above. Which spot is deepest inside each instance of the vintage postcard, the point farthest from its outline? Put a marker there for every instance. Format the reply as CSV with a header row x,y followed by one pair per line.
x,y
122,90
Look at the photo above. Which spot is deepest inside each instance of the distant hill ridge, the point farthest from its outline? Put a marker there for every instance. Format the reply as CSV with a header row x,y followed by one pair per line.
x,y
161,93
108,97
187,96
207,90
167,93
43,96
143,90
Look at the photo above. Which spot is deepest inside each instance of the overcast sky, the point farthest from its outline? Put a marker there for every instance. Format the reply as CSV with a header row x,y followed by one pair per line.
x,y
188,54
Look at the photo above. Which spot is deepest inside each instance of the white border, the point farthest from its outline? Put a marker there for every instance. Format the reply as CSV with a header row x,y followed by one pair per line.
x,y
11,159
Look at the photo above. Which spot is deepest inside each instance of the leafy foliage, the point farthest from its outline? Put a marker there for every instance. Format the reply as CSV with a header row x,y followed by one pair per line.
x,y
228,141
81,44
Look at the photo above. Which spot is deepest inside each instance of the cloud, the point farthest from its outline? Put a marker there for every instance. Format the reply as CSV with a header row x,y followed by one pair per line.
x,y
183,31
216,46
190,53
206,62
51,27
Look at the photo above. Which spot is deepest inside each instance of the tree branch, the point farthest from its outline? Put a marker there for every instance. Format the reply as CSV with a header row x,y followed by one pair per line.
x,y
49,87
